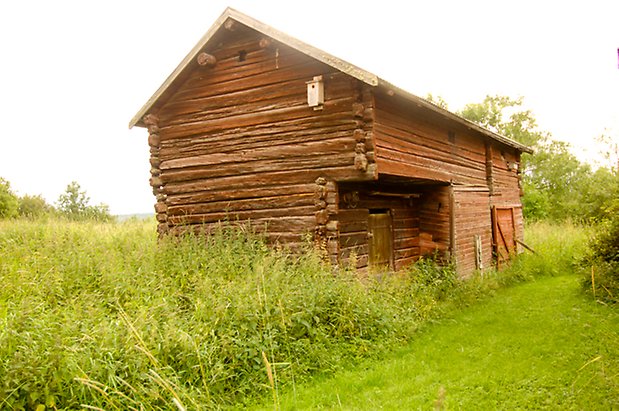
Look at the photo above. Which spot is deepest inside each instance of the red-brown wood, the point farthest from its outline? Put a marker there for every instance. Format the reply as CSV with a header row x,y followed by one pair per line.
x,y
233,139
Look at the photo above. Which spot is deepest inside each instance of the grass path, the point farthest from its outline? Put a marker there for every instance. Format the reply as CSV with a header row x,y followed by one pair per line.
x,y
540,345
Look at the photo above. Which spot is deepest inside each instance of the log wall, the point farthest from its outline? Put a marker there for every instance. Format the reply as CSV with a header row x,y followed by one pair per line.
x,y
435,214
414,143
410,144
238,141
355,203
507,189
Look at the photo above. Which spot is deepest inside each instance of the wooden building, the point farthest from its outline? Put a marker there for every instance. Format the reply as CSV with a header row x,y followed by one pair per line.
x,y
256,125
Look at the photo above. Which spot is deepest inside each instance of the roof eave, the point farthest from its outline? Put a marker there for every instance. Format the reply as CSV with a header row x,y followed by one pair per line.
x,y
326,58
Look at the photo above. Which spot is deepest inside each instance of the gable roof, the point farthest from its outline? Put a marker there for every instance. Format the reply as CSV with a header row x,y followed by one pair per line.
x,y
322,56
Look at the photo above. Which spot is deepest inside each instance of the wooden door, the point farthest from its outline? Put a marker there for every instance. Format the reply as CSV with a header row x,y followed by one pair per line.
x,y
380,241
503,233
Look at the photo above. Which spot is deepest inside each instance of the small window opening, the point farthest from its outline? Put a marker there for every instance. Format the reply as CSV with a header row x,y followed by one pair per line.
x,y
451,135
242,55
379,211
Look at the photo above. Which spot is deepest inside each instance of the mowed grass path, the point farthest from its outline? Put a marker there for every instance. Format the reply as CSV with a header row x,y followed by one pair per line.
x,y
540,345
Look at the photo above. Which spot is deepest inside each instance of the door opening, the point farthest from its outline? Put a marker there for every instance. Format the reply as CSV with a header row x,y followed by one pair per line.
x,y
380,240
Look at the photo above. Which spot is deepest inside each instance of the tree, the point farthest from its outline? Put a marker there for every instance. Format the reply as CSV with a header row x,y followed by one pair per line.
x,y
505,116
33,206
436,100
73,203
8,200
610,150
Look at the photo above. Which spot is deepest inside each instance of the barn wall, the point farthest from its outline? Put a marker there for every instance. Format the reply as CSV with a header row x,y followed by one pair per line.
x,y
411,143
506,188
238,141
472,218
434,213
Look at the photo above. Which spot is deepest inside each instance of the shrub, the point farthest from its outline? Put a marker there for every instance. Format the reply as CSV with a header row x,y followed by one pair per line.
x,y
602,261
33,206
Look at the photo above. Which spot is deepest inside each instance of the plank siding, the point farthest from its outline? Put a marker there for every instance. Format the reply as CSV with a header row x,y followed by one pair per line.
x,y
507,190
434,214
472,218
409,145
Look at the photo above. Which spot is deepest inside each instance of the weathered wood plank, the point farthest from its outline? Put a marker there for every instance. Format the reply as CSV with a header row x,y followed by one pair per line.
x,y
323,148
239,194
260,203
266,179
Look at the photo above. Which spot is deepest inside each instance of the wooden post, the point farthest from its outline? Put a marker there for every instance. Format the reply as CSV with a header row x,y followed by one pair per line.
x,y
452,225
322,215
489,169
206,60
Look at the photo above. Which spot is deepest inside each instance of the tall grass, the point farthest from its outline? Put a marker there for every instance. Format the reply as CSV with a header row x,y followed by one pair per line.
x,y
105,316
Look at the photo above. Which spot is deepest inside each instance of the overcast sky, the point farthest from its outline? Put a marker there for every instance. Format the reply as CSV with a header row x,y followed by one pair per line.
x,y
74,73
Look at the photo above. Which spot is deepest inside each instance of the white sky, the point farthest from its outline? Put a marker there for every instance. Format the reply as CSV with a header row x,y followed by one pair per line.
x,y
73,73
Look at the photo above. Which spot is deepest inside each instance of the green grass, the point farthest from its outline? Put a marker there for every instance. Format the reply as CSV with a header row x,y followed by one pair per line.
x,y
541,345
104,315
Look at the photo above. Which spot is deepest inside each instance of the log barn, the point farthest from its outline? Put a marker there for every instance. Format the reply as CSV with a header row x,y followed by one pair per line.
x,y
256,125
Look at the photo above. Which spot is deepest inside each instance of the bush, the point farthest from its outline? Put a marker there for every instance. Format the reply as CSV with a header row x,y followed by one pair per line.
x,y
602,261
33,206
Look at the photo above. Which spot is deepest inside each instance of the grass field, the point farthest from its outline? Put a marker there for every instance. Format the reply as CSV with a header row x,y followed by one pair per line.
x,y
104,316
540,345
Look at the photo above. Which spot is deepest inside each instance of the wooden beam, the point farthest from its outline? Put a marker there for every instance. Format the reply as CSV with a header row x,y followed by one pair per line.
x,y
400,195
231,25
206,60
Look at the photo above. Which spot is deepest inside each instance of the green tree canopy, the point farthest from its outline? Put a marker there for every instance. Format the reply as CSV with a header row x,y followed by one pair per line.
x,y
33,206
8,200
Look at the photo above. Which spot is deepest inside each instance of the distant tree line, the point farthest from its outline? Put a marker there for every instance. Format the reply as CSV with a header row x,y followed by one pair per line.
x,y
72,204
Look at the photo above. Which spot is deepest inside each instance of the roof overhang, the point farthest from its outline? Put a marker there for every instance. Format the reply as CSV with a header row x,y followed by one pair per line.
x,y
326,58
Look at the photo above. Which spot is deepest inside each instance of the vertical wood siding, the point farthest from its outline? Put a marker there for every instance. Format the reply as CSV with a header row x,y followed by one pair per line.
x,y
472,218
